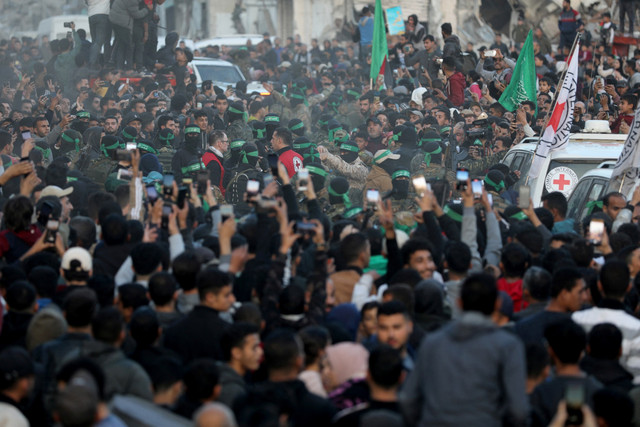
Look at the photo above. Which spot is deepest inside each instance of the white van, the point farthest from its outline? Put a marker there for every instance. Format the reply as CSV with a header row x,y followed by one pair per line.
x,y
563,168
222,74
54,28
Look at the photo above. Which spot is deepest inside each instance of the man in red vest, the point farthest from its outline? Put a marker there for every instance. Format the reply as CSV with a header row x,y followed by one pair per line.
x,y
281,143
213,158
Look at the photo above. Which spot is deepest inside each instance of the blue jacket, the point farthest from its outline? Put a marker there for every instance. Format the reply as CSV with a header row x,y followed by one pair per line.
x,y
565,226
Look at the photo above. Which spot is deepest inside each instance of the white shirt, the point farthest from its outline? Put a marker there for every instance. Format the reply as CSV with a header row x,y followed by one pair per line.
x,y
98,7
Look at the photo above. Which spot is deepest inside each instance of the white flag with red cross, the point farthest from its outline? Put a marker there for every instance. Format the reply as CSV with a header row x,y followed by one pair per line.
x,y
556,134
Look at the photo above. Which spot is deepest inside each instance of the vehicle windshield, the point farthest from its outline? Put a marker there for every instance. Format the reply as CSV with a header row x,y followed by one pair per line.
x,y
219,73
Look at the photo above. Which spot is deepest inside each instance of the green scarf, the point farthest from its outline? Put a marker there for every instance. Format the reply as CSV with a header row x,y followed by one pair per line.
x,y
104,148
344,197
238,143
244,155
399,173
594,204
427,156
349,147
499,186
147,148
452,214
318,171
519,215
244,114
297,126
67,138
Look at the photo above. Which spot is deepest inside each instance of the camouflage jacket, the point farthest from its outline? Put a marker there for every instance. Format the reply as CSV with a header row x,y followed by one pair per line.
x,y
356,172
289,112
99,170
165,156
478,167
238,129
499,203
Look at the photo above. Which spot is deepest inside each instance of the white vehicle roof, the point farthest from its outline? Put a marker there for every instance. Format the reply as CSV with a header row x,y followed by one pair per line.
x,y
53,27
199,65
233,40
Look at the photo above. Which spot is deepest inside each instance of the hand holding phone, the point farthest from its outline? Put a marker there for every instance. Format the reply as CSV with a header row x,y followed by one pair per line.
x,y
596,231
462,175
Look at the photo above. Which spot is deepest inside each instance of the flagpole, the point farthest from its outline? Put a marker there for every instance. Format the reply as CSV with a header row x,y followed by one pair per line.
x,y
622,182
553,104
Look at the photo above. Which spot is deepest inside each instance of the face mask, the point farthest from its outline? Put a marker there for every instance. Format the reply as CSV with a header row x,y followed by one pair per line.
x,y
349,156
400,188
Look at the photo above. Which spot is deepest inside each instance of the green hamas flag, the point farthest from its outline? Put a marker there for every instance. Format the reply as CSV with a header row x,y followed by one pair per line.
x,y
523,80
379,46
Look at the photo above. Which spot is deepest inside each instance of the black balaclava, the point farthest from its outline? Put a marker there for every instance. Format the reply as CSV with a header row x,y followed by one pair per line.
x,y
339,191
192,139
400,182
349,151
318,175
165,138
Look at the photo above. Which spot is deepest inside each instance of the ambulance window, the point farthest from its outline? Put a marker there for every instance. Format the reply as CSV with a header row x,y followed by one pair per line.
x,y
576,200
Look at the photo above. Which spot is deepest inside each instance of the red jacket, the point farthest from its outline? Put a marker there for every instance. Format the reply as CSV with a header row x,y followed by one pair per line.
x,y
455,88
514,290
291,160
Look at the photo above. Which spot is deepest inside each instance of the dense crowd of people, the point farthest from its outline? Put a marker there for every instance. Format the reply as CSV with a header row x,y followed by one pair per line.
x,y
175,252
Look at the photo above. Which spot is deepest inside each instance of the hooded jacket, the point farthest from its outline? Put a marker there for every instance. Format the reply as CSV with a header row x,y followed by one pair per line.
x,y
123,12
449,388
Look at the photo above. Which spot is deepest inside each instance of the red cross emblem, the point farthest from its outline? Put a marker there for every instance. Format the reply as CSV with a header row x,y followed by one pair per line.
x,y
561,182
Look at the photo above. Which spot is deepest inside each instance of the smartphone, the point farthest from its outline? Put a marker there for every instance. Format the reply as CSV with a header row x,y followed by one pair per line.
x,y
166,211
187,181
476,188
462,175
490,198
574,396
490,53
130,146
183,194
152,193
26,135
420,184
253,187
303,179
45,212
167,184
67,24
125,174
304,227
52,230
596,231
273,163
226,212
202,182
524,194
373,196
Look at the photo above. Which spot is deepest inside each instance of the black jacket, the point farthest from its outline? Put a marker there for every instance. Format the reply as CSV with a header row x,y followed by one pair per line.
x,y
197,335
608,372
292,397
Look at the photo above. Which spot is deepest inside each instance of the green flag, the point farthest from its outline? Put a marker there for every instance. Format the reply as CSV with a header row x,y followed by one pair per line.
x,y
379,45
523,80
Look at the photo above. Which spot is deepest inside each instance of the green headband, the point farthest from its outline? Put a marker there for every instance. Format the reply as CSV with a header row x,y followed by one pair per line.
x,y
349,147
477,142
104,148
318,171
322,122
260,133
396,136
353,93
248,153
126,135
332,133
297,126
147,147
499,186
244,114
344,197
400,173
272,119
452,214
406,228
301,97
71,179
303,145
444,129
313,155
46,153
193,168
67,138
170,137
83,114
237,143
594,204
192,129
519,215
381,156
352,212
427,156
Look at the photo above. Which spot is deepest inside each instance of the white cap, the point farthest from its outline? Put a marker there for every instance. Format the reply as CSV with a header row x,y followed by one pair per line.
x,y
54,190
81,255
